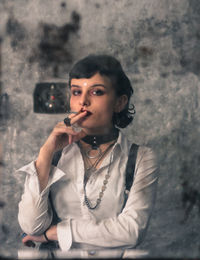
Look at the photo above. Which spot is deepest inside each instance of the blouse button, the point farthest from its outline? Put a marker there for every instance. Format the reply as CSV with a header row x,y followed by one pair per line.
x,y
92,252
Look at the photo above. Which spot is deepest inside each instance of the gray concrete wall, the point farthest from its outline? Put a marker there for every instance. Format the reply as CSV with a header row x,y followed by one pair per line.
x,y
157,43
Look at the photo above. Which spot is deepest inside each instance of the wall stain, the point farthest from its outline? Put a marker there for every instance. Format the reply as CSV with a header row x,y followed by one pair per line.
x,y
144,51
186,40
183,32
63,5
148,101
17,33
97,5
53,49
190,197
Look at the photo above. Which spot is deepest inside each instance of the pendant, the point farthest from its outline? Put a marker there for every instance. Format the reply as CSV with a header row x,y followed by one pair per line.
x,y
93,156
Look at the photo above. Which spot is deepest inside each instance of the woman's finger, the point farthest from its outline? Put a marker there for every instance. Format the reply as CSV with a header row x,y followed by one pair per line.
x,y
70,139
74,118
61,128
33,238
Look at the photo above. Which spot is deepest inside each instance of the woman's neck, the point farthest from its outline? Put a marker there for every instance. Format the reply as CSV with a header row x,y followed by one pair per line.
x,y
101,139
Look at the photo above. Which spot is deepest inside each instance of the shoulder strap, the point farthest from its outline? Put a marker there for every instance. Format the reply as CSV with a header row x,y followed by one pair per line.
x,y
130,167
54,162
56,158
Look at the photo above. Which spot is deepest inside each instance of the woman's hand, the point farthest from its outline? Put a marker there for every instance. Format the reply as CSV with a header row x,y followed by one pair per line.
x,y
63,135
60,137
51,233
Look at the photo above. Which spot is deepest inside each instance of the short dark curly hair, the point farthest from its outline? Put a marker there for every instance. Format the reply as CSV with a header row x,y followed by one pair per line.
x,y
109,66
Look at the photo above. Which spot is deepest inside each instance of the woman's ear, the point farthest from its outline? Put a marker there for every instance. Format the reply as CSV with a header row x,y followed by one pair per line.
x,y
121,103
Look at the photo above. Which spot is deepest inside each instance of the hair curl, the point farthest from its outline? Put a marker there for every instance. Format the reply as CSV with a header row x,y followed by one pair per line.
x,y
107,65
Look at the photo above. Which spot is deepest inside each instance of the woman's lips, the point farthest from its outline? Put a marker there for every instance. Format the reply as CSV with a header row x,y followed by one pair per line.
x,y
88,112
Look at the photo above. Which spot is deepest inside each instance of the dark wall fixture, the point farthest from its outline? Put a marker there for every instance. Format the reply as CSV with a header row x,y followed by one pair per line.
x,y
50,98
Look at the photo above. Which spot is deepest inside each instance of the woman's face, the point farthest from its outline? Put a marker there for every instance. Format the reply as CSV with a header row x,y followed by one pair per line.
x,y
96,95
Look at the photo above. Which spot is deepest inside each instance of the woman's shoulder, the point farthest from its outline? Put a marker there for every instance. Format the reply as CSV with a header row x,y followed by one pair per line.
x,y
147,156
143,150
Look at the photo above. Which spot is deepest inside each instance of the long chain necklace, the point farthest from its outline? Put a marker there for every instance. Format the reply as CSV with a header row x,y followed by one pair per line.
x,y
95,142
92,166
101,193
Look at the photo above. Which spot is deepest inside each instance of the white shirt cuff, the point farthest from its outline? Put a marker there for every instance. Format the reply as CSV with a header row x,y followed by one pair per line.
x,y
64,235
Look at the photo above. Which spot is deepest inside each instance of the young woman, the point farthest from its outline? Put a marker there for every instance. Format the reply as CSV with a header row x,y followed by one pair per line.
x,y
87,186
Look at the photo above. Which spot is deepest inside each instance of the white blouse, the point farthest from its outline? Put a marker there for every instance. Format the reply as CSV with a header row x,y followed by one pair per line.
x,y
111,225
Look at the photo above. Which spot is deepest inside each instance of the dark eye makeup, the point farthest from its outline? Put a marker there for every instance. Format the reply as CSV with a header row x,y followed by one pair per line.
x,y
97,92
76,92
92,92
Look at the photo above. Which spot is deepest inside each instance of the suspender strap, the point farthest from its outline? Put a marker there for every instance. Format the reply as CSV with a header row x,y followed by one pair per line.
x,y
56,157
130,167
54,162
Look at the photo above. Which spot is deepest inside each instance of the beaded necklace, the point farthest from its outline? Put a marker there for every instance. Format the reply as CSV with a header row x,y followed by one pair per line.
x,y
95,141
101,193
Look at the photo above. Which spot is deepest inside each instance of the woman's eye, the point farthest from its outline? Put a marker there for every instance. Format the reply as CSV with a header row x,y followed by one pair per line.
x,y
76,92
97,92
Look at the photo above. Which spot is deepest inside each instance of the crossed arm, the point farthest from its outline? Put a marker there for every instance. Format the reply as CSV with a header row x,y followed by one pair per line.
x,y
127,229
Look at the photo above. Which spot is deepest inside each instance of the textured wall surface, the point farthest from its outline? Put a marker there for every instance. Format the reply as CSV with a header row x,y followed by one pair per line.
x,y
158,44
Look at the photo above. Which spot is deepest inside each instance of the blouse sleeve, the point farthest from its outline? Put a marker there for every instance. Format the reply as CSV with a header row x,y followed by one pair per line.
x,y
35,214
129,227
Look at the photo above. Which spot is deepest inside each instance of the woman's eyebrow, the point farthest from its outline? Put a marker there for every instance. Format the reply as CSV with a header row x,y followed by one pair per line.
x,y
98,85
92,86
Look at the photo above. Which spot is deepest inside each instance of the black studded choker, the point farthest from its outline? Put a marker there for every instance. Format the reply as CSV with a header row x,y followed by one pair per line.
x,y
96,140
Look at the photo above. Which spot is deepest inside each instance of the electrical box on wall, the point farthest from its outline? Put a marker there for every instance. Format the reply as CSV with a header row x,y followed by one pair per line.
x,y
50,98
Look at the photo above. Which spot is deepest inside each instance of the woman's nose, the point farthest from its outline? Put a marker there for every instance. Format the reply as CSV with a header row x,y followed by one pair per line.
x,y
84,100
